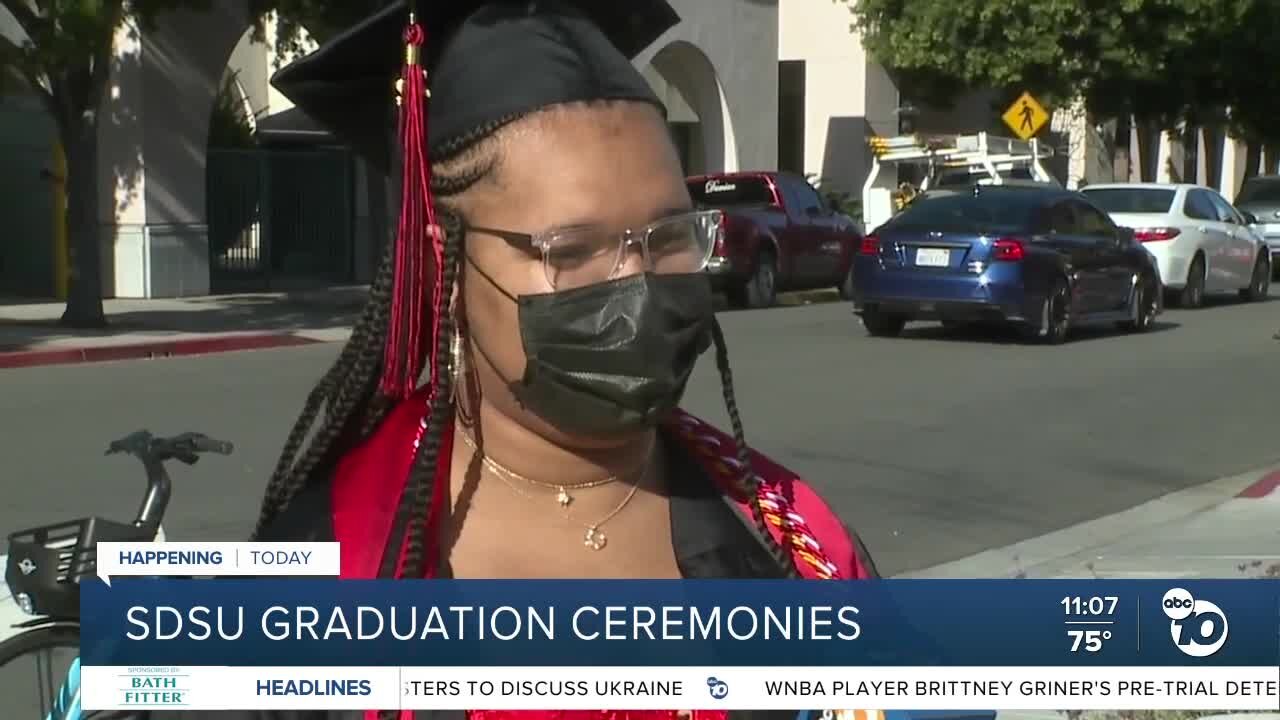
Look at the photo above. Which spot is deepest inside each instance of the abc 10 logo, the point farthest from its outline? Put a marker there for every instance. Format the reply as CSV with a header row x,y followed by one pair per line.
x,y
1198,627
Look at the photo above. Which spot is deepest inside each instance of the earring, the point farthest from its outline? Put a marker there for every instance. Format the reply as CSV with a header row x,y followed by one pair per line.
x,y
458,389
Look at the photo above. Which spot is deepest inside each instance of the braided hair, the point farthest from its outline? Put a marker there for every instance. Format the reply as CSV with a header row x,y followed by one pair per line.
x,y
352,407
348,392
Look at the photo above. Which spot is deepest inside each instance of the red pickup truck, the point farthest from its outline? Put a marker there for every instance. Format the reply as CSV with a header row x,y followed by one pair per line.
x,y
779,234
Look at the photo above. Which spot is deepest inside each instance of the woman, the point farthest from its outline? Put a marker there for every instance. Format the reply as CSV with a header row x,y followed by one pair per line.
x,y
552,284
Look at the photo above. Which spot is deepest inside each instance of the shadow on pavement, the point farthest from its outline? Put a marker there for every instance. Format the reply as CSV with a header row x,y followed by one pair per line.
x,y
1002,335
23,328
1217,301
798,298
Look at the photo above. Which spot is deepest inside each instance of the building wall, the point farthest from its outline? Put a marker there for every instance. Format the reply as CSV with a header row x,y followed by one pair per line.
x,y
847,96
723,59
27,142
28,139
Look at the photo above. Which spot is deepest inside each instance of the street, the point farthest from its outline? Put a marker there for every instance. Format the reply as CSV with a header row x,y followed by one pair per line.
x,y
933,446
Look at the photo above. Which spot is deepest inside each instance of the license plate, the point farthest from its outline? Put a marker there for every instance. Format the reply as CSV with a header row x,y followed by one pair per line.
x,y
933,257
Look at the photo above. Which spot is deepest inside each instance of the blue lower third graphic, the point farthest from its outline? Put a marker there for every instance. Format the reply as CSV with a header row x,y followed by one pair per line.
x,y
711,624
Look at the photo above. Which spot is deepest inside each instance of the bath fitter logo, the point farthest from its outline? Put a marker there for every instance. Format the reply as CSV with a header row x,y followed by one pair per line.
x,y
155,687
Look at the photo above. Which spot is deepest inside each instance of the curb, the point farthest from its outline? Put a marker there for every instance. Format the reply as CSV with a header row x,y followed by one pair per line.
x,y
150,350
1067,542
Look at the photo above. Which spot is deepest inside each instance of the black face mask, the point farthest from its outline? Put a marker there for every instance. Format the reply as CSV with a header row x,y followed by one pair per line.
x,y
614,356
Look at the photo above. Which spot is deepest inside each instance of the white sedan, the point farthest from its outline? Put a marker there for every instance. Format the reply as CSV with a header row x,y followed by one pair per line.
x,y
1201,243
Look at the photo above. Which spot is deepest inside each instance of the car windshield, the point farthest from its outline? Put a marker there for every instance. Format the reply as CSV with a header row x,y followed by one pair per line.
x,y
721,192
1260,191
986,212
1131,200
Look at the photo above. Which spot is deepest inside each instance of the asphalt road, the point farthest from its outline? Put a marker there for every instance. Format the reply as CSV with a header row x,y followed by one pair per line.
x,y
933,446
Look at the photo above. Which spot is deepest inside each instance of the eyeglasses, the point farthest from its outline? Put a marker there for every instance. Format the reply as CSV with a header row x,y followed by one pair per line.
x,y
583,255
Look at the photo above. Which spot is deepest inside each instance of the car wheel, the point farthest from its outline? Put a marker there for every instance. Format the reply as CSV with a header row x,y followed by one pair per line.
x,y
1192,294
1260,282
882,324
1142,307
762,288
846,285
1055,316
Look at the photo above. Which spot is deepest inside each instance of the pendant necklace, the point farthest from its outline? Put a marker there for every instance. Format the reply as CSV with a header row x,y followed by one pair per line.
x,y
563,495
594,538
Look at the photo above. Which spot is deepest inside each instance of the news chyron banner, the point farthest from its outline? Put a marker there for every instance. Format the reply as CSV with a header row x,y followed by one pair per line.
x,y
263,641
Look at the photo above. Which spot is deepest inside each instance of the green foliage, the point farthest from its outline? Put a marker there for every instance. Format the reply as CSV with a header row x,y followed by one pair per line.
x,y
846,203
229,122
68,47
1160,60
320,19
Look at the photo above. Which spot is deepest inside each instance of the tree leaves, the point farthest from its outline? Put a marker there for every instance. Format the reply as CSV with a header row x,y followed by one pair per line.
x,y
1162,60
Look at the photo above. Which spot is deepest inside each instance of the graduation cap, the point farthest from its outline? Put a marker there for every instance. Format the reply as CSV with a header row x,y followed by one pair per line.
x,y
471,62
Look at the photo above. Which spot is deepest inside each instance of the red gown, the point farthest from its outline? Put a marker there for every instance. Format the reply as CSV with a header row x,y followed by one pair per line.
x,y
368,482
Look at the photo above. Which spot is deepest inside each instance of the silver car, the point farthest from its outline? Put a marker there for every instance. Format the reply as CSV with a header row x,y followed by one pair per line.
x,y
1260,197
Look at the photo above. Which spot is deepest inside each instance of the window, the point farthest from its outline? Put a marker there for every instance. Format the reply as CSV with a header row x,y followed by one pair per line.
x,y
789,199
803,195
1092,223
1060,219
730,191
993,212
1131,200
1260,190
1224,211
1199,207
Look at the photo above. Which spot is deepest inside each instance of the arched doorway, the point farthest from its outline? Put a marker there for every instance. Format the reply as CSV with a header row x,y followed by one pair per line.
x,y
686,81
279,214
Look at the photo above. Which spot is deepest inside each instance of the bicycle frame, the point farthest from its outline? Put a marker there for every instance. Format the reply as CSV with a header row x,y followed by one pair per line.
x,y
66,706
185,448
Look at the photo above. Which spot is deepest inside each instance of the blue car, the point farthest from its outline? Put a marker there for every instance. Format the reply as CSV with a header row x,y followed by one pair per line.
x,y
1040,258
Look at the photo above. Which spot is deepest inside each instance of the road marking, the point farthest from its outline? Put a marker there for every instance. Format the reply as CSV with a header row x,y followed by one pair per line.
x,y
1268,484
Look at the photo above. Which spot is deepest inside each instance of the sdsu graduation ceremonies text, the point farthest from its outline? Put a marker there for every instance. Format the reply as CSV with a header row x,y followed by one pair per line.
x,y
318,643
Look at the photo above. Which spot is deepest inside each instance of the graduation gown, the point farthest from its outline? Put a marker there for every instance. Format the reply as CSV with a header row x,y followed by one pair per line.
x,y
713,536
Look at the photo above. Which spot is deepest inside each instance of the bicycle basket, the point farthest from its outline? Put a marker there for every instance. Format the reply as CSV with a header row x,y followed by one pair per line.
x,y
46,563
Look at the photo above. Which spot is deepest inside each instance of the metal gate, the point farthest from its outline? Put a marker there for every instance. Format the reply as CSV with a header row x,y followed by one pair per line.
x,y
279,218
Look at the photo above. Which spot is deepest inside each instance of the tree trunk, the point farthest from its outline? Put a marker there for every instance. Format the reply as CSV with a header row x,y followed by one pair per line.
x,y
1215,138
1147,150
84,292
1252,158
1121,157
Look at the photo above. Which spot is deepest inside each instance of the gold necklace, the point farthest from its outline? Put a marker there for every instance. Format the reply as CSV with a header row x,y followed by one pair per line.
x,y
563,496
594,538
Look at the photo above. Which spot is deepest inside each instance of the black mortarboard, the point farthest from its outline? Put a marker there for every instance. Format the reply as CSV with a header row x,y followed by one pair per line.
x,y
486,60
473,62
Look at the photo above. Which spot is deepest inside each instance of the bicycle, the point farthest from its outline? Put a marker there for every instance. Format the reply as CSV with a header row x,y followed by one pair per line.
x,y
45,566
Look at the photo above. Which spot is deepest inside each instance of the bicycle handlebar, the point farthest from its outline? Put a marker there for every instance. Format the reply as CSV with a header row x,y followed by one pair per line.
x,y
153,452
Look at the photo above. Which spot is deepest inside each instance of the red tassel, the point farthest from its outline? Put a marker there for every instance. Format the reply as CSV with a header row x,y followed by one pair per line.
x,y
419,244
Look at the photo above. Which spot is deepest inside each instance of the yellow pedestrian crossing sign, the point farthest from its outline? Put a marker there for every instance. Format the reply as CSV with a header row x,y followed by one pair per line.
x,y
1025,116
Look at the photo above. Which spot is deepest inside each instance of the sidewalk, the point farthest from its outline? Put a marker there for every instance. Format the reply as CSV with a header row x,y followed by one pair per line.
x,y
30,333
1228,528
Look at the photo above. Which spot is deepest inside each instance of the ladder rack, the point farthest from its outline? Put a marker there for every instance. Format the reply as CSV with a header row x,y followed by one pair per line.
x,y
979,154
